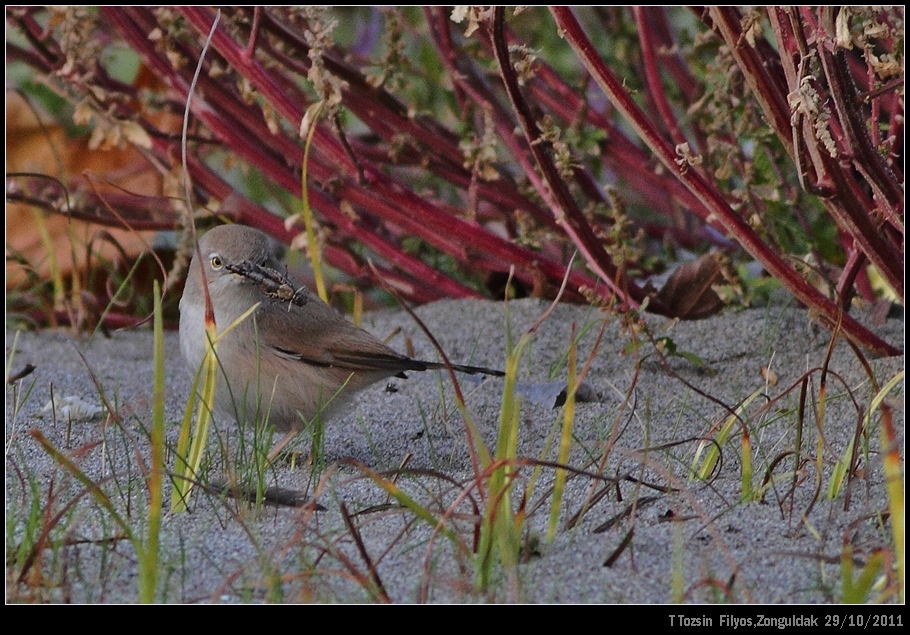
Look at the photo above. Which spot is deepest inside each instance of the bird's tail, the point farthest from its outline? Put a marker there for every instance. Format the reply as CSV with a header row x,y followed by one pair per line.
x,y
470,370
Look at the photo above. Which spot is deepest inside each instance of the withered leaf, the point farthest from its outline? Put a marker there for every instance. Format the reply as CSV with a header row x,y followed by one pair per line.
x,y
689,292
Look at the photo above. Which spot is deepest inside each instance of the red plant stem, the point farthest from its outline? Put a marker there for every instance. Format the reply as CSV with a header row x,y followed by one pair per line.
x,y
403,207
250,49
769,90
631,164
896,130
15,53
711,198
34,33
548,88
843,92
629,161
435,284
389,200
383,197
428,133
855,262
556,96
557,193
249,143
384,122
380,209
683,79
876,105
438,20
847,203
470,82
652,73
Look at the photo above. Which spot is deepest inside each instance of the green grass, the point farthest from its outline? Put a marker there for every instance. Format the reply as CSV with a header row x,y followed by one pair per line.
x,y
474,537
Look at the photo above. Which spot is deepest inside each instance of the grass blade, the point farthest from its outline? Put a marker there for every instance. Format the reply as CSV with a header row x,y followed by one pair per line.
x,y
148,560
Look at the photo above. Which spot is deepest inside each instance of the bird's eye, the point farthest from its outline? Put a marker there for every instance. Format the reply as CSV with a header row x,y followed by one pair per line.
x,y
217,263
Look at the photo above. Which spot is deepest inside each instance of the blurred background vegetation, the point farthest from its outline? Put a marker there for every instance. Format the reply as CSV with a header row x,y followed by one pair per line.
x,y
762,147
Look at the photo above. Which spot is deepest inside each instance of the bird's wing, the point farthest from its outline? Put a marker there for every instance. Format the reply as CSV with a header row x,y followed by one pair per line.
x,y
315,334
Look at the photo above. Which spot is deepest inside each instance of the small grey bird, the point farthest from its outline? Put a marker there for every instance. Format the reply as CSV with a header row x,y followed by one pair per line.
x,y
294,356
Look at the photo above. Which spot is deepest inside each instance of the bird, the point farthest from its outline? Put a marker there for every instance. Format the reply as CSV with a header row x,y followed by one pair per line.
x,y
294,357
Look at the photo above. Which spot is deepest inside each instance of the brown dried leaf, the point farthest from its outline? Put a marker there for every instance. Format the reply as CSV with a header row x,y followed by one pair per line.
x,y
689,292
45,148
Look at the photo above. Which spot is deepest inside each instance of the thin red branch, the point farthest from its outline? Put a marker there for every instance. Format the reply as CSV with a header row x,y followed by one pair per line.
x,y
383,197
847,202
866,158
767,85
557,193
643,20
711,198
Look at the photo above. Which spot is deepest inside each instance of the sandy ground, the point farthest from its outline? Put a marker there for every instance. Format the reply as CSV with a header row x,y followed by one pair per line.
x,y
646,532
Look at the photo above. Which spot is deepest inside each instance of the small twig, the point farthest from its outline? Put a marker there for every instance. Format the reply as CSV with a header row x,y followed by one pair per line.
x,y
250,49
361,548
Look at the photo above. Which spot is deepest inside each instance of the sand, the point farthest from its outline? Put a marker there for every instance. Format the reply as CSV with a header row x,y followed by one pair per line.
x,y
646,530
